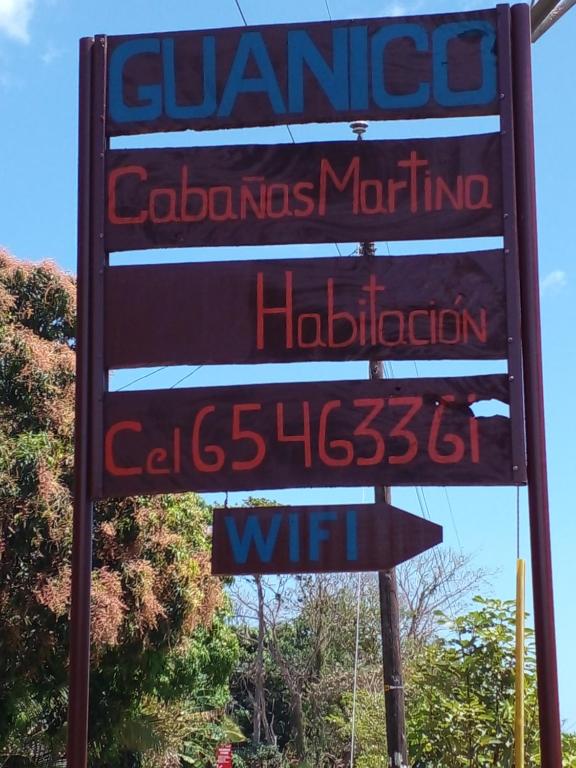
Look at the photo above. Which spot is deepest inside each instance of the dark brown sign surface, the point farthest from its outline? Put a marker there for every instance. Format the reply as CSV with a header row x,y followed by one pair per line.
x,y
380,69
412,189
341,433
448,306
322,539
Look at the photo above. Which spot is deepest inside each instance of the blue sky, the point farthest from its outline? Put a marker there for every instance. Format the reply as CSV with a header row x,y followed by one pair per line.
x,y
38,141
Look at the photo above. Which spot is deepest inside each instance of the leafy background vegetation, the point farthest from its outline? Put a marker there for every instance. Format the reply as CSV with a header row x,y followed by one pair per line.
x,y
181,661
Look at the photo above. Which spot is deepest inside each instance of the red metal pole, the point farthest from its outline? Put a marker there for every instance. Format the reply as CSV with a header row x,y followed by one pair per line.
x,y
550,731
79,672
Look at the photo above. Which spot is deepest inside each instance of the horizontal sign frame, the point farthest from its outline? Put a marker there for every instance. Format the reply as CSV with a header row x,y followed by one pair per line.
x,y
425,307
337,433
440,65
265,194
317,539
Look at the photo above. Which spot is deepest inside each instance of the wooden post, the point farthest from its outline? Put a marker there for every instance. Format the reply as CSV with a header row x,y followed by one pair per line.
x,y
388,588
391,658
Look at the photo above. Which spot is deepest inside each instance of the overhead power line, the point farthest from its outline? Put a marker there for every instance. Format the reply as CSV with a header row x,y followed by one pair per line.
x,y
241,12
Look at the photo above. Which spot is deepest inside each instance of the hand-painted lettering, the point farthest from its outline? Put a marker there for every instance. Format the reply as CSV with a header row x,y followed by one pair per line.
x,y
365,321
240,438
349,66
415,185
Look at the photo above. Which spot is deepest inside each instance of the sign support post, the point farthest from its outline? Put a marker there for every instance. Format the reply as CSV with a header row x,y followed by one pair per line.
x,y
547,673
396,742
390,632
79,673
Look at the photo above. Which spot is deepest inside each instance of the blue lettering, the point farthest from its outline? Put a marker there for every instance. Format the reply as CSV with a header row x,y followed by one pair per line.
x,y
293,538
333,81
208,106
351,536
443,93
150,95
358,68
317,533
381,96
251,44
252,534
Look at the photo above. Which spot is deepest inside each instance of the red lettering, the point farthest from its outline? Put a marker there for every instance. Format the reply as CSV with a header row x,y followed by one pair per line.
x,y
177,448
393,187
109,460
170,215
155,457
214,450
474,434
339,317
280,192
484,198
228,212
480,330
285,310
413,164
372,288
326,171
364,430
377,186
454,440
247,198
304,438
186,193
308,200
247,434
413,339
414,403
344,445
316,336
128,170
443,190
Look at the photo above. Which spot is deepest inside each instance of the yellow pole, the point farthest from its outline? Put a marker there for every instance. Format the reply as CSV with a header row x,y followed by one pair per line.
x,y
519,699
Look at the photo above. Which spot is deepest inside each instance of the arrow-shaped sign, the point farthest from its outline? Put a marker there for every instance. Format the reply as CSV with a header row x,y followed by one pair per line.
x,y
322,539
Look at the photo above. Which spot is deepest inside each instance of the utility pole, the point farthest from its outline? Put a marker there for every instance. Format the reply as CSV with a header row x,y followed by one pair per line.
x,y
388,588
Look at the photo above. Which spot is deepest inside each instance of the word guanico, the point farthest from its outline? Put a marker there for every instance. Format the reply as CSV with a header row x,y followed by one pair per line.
x,y
415,188
258,74
378,432
370,324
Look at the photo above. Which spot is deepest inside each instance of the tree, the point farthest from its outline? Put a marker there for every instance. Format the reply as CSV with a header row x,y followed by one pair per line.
x,y
459,672
460,693
159,642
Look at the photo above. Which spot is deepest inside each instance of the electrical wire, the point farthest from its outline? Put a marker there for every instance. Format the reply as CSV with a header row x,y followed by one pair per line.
x,y
287,126
241,12
191,373
141,378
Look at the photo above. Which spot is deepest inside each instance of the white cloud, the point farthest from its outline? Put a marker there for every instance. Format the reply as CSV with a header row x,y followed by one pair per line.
x,y
15,16
50,54
553,281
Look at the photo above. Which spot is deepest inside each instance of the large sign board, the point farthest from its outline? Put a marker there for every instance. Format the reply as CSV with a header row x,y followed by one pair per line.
x,y
338,433
342,433
361,537
378,69
311,193
444,306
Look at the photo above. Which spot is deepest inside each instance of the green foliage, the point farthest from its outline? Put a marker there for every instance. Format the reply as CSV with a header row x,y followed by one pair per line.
x,y
259,756
370,735
460,693
161,649
459,685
